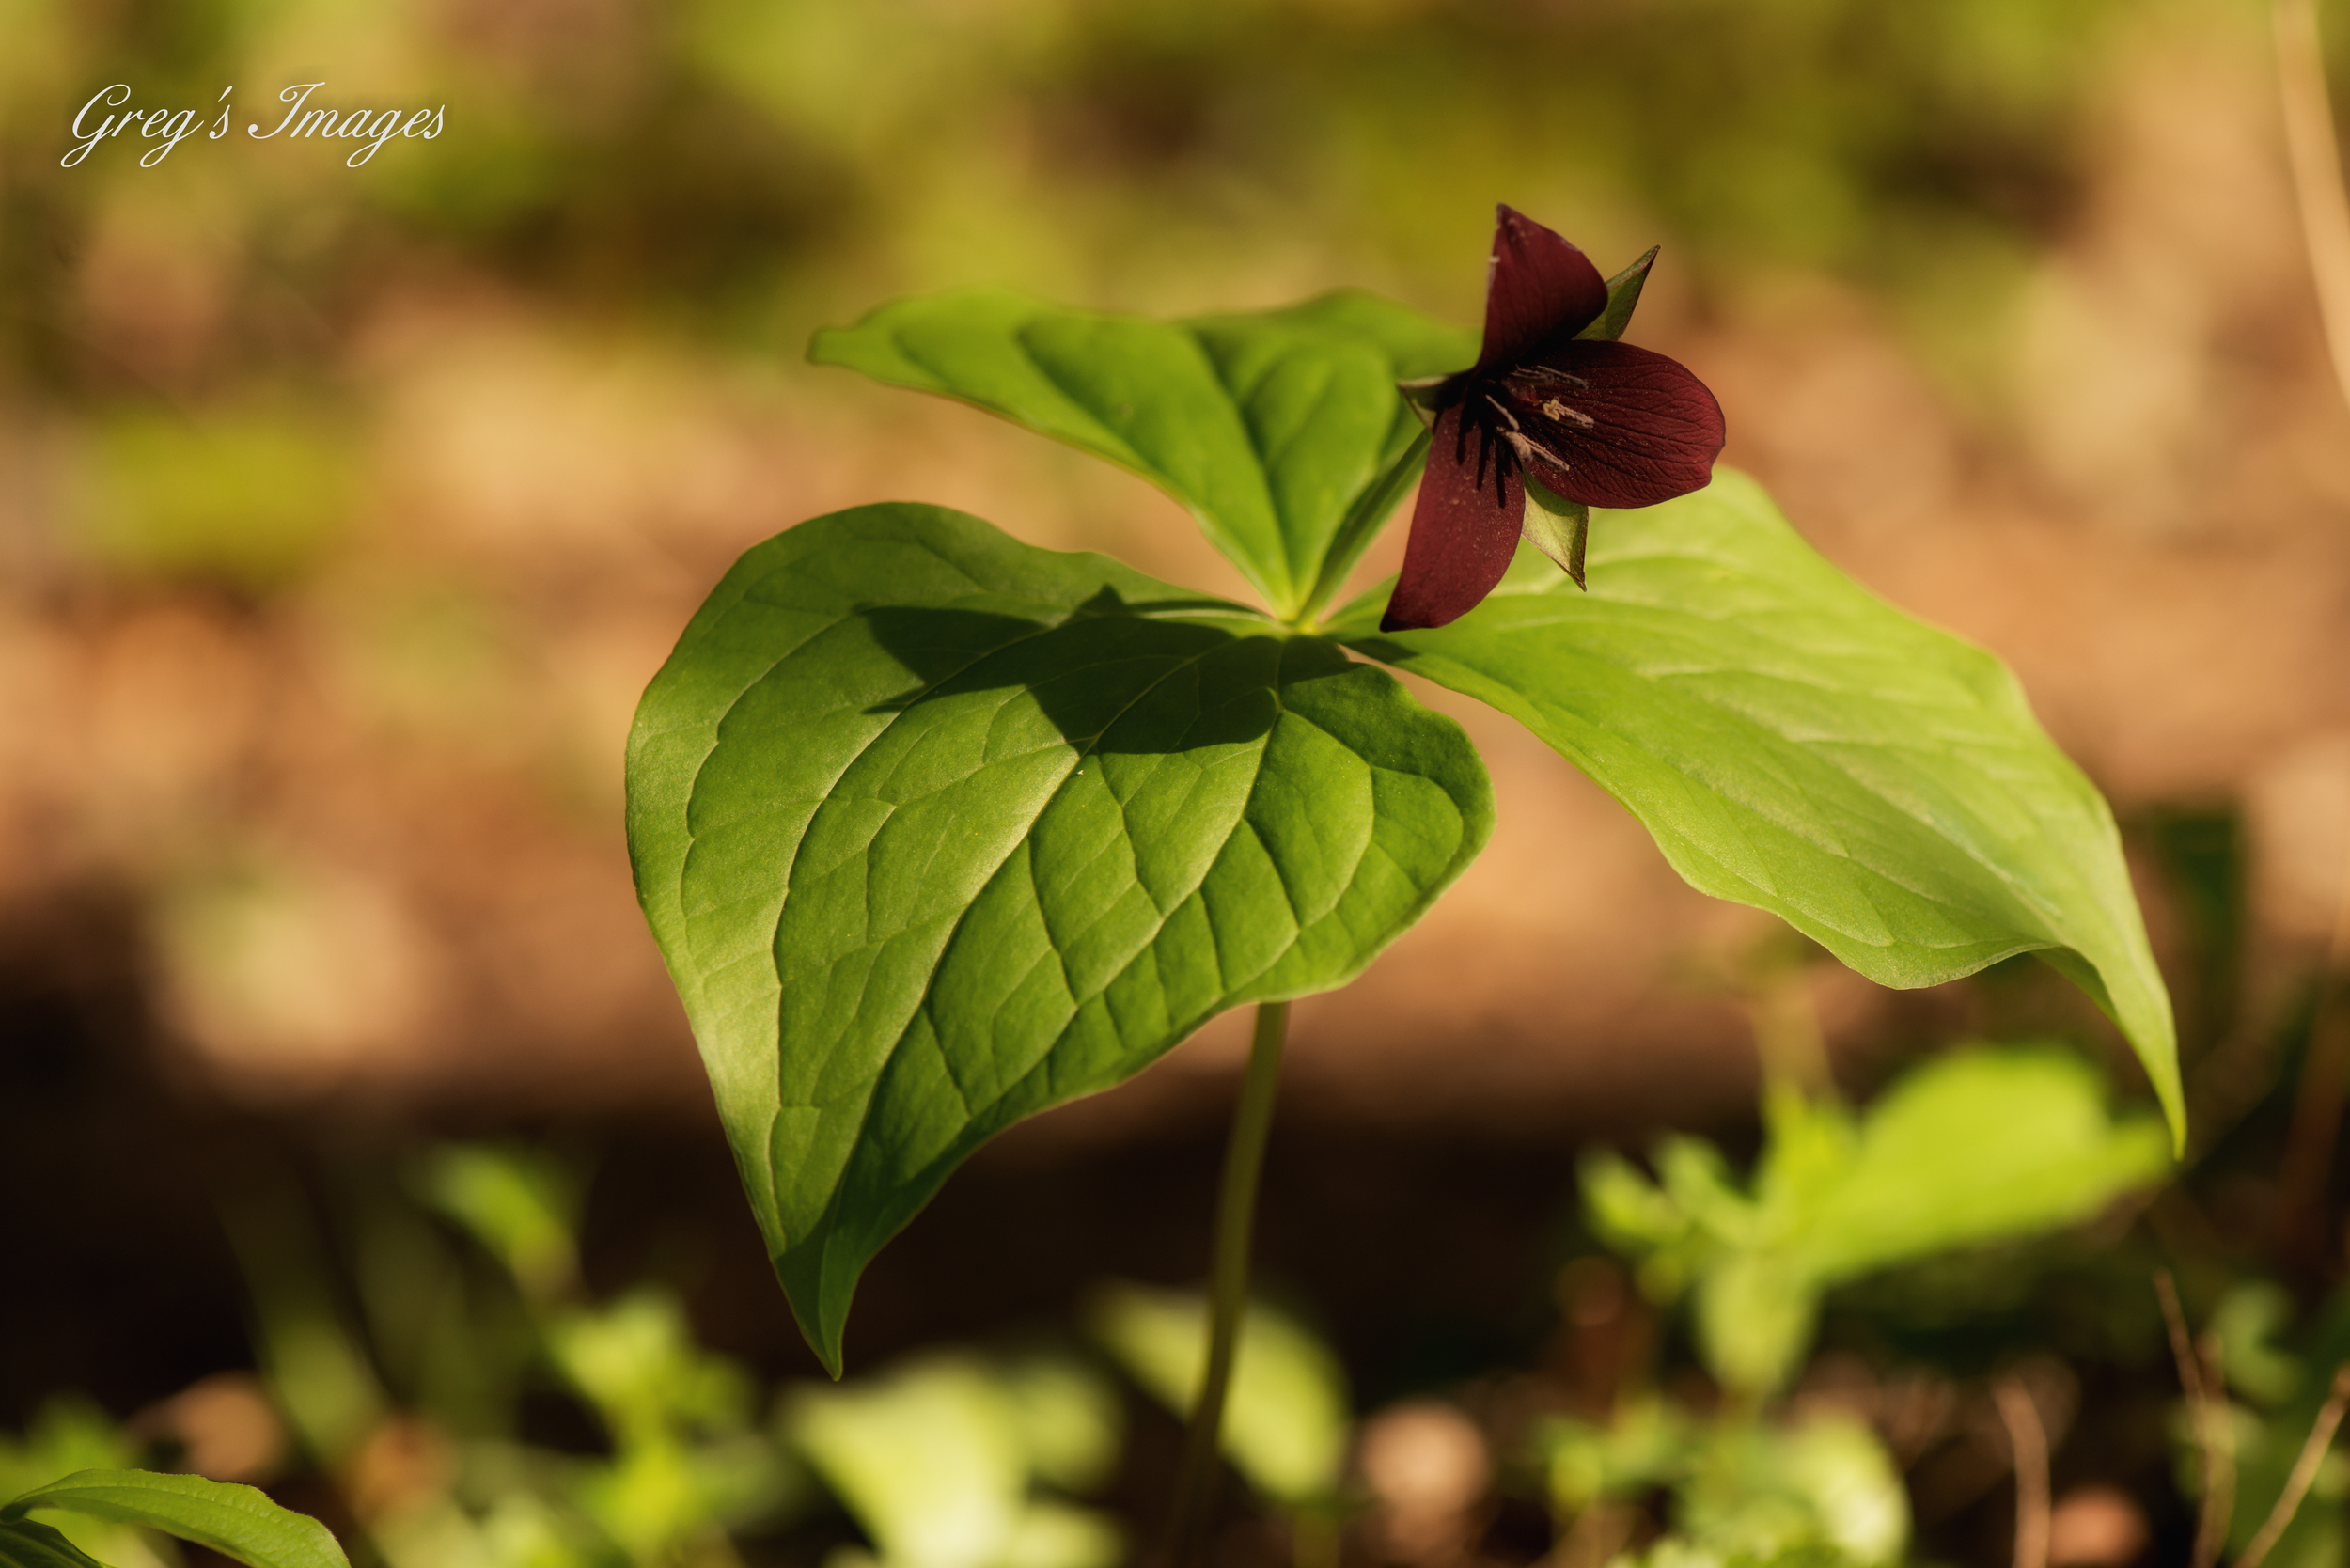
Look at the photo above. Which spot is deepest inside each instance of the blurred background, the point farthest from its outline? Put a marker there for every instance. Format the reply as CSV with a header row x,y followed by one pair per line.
x,y
345,512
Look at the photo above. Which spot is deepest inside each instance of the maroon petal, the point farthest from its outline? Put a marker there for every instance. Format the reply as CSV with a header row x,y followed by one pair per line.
x,y
1464,529
1631,426
1540,288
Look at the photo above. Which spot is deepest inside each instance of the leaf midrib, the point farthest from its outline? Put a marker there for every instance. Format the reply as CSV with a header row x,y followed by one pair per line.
x,y
890,1055
2028,893
1124,453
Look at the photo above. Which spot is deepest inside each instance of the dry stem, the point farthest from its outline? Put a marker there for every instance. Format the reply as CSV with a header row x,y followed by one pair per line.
x,y
2215,1435
2316,171
2027,1439
2321,1438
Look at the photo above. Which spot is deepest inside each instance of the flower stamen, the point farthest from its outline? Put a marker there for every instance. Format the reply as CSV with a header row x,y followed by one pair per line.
x,y
1558,411
1529,449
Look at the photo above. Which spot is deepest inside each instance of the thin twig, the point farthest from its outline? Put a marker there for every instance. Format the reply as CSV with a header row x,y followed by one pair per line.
x,y
2215,1435
2211,1529
2304,1472
2181,1341
2316,159
2027,1439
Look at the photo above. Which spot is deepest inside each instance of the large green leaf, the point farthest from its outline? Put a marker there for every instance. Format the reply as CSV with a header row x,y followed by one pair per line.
x,y
1268,427
936,830
1795,743
236,1521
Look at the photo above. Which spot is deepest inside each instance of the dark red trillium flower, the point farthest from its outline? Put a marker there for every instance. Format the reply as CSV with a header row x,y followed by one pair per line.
x,y
1594,421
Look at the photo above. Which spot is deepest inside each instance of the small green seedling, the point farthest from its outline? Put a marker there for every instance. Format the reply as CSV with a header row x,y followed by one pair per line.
x,y
1978,1146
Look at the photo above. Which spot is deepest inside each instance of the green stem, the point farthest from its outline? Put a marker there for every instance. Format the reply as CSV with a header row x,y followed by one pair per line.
x,y
1236,1217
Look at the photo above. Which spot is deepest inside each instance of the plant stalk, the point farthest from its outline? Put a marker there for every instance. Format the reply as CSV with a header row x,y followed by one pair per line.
x,y
1235,1219
1361,524
2028,1442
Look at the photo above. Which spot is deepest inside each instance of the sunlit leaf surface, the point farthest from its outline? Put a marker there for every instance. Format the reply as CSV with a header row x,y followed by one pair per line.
x,y
236,1521
1795,743
937,830
1268,427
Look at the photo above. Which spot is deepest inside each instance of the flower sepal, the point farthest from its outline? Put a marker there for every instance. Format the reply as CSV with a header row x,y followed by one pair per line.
x,y
1426,394
1556,526
1623,297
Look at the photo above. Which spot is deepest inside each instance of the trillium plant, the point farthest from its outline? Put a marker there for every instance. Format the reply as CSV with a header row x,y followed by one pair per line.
x,y
937,830
1555,417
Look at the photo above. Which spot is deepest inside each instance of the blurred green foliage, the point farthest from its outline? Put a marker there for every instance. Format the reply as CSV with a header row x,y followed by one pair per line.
x,y
414,1404
1286,1420
69,1435
1978,1146
753,168
738,172
940,1460
241,497
1974,1147
1807,131
411,1348
2281,1373
1817,1489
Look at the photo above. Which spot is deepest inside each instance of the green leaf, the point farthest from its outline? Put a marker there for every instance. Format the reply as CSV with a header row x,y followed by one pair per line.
x,y
1795,743
937,830
1646,1442
1070,1419
1976,1147
1556,526
1268,427
1821,1485
2248,1323
235,1521
636,1362
1285,1422
521,1204
27,1544
313,1361
70,1433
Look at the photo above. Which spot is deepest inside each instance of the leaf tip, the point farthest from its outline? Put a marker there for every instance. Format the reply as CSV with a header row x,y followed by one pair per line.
x,y
823,1325
822,345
